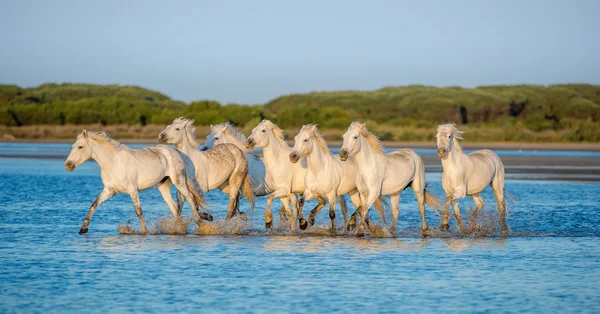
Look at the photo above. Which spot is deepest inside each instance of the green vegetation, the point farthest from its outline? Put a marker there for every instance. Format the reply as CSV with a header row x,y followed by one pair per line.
x,y
568,113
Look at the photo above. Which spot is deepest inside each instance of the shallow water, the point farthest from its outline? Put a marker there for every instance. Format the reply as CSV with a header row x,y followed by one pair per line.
x,y
550,263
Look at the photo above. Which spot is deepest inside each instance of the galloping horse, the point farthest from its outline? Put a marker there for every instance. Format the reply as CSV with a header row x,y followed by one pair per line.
x,y
223,166
327,176
223,133
385,174
126,170
282,177
468,175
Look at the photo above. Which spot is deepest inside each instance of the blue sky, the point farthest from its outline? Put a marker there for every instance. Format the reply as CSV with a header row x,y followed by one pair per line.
x,y
253,51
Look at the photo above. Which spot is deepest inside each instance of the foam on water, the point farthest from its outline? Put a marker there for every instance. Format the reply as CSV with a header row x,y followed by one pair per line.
x,y
487,226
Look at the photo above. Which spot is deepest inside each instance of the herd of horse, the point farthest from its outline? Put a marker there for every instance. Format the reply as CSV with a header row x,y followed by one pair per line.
x,y
294,175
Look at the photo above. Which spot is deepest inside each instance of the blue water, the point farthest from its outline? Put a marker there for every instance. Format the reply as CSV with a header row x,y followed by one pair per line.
x,y
551,263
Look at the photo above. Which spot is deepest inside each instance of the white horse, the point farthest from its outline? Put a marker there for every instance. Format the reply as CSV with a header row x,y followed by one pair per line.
x,y
225,133
327,176
386,174
468,175
126,170
223,166
282,177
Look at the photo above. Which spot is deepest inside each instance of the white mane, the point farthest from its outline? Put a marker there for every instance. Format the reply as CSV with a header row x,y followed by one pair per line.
x,y
188,124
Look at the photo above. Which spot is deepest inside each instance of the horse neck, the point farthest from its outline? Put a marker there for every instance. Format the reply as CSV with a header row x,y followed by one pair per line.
x,y
318,160
275,150
366,156
185,146
102,156
456,155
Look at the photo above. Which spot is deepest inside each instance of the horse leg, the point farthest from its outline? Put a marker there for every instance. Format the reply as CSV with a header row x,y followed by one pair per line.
x,y
294,201
332,201
499,194
135,198
165,190
234,196
299,207
343,208
368,200
282,213
479,203
395,200
286,203
179,180
355,199
445,225
419,193
313,213
103,196
279,193
180,200
268,214
461,228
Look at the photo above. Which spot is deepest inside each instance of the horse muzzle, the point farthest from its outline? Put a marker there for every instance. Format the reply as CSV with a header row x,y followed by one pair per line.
x,y
343,155
162,138
250,143
294,157
441,152
69,165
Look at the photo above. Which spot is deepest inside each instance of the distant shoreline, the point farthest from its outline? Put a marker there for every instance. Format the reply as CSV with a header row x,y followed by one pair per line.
x,y
592,147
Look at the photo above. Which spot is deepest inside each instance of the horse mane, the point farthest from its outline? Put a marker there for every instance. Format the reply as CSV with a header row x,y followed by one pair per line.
x,y
103,138
188,124
314,132
277,131
371,138
451,128
227,128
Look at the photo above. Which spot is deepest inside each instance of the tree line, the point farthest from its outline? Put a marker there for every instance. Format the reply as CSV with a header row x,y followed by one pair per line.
x,y
571,112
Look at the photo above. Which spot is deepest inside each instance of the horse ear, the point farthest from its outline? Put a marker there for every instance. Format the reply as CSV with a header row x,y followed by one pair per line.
x,y
211,126
362,126
84,133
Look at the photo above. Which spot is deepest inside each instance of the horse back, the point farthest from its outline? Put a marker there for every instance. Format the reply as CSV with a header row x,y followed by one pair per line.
x,y
223,161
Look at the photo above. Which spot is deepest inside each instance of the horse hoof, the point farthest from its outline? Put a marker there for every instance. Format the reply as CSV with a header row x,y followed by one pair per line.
x,y
360,234
206,216
351,227
269,224
303,224
83,230
504,233
311,220
242,216
426,233
444,227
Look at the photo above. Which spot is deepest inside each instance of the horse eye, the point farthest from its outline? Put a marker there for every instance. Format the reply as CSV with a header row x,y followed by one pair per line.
x,y
176,129
356,137
306,140
264,131
216,138
80,147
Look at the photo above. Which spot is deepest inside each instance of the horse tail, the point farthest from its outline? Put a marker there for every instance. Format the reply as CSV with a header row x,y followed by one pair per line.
x,y
247,190
432,201
512,198
196,192
380,205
